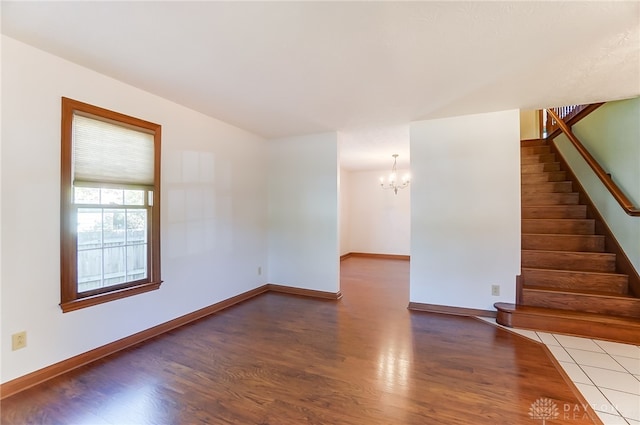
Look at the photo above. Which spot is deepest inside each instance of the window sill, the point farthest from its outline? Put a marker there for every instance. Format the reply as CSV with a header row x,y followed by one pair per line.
x,y
109,296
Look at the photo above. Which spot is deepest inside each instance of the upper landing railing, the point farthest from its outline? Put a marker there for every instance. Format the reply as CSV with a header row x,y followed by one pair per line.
x,y
566,113
561,119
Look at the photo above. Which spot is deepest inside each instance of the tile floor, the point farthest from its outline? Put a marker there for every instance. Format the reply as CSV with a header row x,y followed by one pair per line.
x,y
606,373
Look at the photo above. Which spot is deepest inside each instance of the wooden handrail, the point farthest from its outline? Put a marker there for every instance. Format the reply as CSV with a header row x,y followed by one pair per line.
x,y
617,193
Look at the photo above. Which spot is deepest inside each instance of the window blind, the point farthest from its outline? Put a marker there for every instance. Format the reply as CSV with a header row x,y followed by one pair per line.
x,y
110,153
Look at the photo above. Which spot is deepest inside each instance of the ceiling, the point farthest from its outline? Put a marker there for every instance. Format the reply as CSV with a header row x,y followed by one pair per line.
x,y
364,69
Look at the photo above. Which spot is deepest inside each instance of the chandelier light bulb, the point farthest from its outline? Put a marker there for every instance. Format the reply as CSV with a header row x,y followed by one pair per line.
x,y
393,176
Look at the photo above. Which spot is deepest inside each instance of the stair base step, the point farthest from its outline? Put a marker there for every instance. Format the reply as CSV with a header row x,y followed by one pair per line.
x,y
580,300
565,226
610,328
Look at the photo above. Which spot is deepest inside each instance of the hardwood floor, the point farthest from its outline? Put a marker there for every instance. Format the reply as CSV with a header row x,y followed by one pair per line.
x,y
283,359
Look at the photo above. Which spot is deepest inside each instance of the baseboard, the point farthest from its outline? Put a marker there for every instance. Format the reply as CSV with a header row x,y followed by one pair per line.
x,y
304,292
380,256
21,383
445,309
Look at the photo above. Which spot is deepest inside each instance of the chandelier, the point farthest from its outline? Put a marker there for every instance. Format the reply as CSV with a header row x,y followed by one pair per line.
x,y
392,182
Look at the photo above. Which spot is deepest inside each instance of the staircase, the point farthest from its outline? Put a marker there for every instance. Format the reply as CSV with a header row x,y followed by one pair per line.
x,y
569,282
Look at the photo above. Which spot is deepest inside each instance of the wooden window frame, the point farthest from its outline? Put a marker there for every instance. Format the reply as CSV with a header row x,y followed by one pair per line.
x,y
70,299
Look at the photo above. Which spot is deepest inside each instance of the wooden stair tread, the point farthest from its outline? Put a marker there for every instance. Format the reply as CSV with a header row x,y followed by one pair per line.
x,y
565,186
553,211
552,251
557,313
532,150
533,173
560,226
536,173
568,260
537,158
613,283
539,167
553,198
534,142
569,272
578,292
555,163
548,176
585,301
564,235
524,183
561,220
562,242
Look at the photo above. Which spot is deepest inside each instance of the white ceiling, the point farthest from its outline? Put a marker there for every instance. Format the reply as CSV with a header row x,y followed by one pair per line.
x,y
365,69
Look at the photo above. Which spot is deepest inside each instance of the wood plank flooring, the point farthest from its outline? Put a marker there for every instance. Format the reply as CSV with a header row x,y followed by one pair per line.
x,y
282,359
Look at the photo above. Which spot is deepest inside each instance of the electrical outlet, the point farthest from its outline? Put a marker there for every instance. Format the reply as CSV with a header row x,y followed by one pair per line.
x,y
18,340
495,290
259,271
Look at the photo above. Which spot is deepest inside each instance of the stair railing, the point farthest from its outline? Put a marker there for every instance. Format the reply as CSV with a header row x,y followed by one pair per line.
x,y
563,112
569,114
605,178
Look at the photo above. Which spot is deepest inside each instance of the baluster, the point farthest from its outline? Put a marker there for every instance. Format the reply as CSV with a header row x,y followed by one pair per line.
x,y
562,113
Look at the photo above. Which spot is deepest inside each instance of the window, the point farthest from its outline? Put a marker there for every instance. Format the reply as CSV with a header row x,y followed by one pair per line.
x,y
110,206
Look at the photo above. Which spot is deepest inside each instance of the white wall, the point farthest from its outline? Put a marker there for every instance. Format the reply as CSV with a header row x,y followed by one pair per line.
x,y
465,209
379,221
214,211
625,228
303,212
611,134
